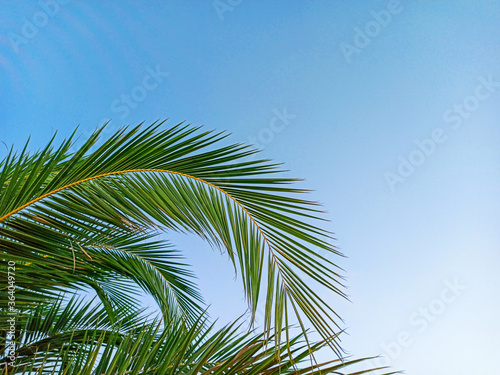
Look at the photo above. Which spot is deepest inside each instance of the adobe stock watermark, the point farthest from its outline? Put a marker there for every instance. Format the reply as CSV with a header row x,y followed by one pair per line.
x,y
419,321
139,93
277,124
10,348
363,37
224,6
32,25
456,115
123,105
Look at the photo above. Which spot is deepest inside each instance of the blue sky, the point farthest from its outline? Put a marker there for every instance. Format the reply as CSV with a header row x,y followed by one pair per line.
x,y
399,139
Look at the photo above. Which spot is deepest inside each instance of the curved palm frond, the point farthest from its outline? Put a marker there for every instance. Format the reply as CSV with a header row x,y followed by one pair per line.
x,y
58,209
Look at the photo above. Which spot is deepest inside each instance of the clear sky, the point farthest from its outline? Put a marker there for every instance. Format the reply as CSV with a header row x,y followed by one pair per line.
x,y
389,110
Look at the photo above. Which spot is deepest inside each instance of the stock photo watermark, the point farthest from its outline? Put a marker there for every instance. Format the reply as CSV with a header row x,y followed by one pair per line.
x,y
364,36
139,93
277,124
223,6
32,25
455,116
123,105
420,321
10,348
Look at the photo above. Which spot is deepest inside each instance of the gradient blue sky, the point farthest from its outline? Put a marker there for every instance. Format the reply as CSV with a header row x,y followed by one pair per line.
x,y
355,121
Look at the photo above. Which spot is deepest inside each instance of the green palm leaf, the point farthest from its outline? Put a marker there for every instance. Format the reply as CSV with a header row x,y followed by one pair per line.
x,y
177,179
85,223
177,348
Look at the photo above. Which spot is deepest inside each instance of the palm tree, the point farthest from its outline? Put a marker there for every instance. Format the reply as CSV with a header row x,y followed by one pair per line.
x,y
77,224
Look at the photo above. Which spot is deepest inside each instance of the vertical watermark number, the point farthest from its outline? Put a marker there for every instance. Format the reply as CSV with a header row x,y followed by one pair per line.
x,y
11,314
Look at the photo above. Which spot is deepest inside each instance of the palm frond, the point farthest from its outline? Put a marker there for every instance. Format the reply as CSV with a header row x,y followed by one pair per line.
x,y
198,350
73,207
